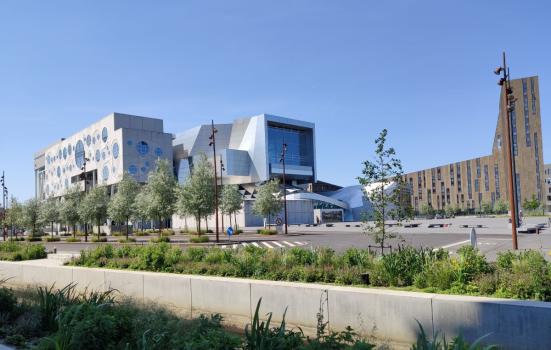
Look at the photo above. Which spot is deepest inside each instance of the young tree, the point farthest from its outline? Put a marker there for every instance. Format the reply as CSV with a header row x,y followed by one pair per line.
x,y
31,215
121,207
231,201
378,176
196,196
140,207
501,206
486,208
14,216
68,209
161,192
267,202
49,213
93,207
427,210
531,204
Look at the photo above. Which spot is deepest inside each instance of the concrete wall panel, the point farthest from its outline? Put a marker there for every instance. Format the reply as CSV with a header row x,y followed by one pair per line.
x,y
127,283
171,290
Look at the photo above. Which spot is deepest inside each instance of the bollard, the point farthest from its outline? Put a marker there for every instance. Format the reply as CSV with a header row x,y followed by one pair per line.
x,y
472,236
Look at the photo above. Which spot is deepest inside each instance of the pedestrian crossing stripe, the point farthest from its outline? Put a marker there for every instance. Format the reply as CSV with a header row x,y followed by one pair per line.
x,y
266,244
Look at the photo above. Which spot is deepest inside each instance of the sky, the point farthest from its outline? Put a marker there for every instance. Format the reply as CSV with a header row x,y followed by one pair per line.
x,y
421,69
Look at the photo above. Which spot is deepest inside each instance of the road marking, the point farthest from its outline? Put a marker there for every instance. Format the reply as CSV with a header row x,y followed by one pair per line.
x,y
255,244
267,245
301,243
245,244
452,245
289,244
278,244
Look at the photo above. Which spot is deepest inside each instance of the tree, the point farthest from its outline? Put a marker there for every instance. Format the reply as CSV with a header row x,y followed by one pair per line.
x,y
14,215
267,202
231,201
93,207
196,196
140,206
486,208
49,213
501,206
531,204
31,215
161,192
427,210
450,211
121,207
68,209
377,177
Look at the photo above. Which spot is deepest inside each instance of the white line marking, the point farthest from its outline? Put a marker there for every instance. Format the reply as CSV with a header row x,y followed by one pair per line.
x,y
289,244
245,244
256,244
267,245
278,244
299,243
452,244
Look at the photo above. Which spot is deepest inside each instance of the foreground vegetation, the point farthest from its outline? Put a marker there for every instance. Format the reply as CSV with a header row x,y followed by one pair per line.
x,y
17,251
525,275
50,319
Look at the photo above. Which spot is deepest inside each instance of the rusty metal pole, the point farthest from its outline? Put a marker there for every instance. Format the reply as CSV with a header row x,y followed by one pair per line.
x,y
510,154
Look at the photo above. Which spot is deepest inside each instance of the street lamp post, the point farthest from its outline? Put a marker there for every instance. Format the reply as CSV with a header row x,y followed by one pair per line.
x,y
212,143
222,189
4,201
509,99
282,160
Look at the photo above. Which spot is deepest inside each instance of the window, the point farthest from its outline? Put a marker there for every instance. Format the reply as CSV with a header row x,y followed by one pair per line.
x,y
299,145
496,179
458,174
104,136
105,173
433,180
514,127
158,151
533,95
115,150
133,169
439,174
65,153
98,156
526,113
486,179
143,148
452,179
517,178
477,167
469,186
79,154
476,185
537,156
88,140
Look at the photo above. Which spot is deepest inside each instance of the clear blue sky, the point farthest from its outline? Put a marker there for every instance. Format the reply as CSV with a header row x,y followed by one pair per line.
x,y
422,69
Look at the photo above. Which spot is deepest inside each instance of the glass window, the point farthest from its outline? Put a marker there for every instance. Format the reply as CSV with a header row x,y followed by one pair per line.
x,y
98,156
104,135
105,173
299,145
58,171
88,140
65,153
143,148
133,169
115,150
69,149
79,154
158,152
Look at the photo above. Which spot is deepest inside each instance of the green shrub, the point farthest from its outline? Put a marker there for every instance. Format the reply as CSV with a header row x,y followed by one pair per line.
x,y
141,233
265,231
99,240
129,240
199,239
440,274
15,340
470,264
16,251
162,239
52,239
167,232
71,239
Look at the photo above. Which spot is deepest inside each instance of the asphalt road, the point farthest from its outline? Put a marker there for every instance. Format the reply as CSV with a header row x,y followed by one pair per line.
x,y
494,235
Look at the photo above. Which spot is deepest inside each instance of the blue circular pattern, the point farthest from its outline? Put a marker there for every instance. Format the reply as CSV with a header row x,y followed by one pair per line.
x,y
88,140
158,152
69,149
143,169
104,135
143,148
115,150
105,173
132,169
98,156
58,171
59,154
79,154
65,153
103,155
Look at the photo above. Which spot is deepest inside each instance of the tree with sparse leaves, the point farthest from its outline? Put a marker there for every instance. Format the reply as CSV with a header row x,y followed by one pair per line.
x,y
268,202
377,177
196,195
93,208
15,215
231,201
501,206
68,209
160,192
121,207
49,213
140,207
531,204
31,215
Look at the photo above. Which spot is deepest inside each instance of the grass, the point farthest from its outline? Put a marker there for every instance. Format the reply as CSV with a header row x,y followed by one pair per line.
x,y
199,239
73,240
525,275
264,231
95,239
18,251
129,240
51,239
162,239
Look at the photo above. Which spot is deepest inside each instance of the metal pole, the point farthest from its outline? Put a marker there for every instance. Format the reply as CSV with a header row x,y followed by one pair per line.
x,y
283,152
510,155
222,189
213,144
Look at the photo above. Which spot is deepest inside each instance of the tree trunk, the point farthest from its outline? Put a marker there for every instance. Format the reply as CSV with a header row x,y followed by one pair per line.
x,y
52,226
230,220
198,225
74,231
127,233
98,231
207,223
160,227
235,220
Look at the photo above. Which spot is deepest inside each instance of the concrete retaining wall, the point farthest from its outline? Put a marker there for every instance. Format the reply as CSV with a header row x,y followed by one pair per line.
x,y
385,314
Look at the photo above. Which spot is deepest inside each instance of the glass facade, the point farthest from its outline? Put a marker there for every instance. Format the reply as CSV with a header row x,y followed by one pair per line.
x,y
299,145
496,178
469,186
526,113
79,154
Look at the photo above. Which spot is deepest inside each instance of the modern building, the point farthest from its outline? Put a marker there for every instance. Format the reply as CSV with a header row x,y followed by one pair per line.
x,y
101,153
469,183
547,201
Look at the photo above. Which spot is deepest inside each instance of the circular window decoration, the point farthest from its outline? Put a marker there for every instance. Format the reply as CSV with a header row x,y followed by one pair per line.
x,y
58,171
59,154
103,155
93,140
105,173
114,170
133,169
143,148
158,152
69,149
104,134
115,150
98,156
143,169
48,159
88,140
79,154
66,183
65,153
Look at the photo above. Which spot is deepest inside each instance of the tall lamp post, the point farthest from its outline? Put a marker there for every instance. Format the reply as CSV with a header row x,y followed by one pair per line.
x,y
222,189
509,100
212,143
85,178
4,201
282,160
